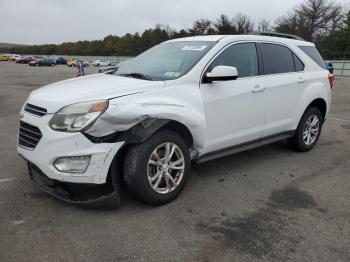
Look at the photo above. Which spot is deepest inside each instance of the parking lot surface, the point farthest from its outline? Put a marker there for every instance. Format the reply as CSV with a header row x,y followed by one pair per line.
x,y
267,204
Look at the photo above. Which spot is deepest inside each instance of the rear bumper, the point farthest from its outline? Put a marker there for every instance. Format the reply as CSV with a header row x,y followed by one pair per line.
x,y
83,195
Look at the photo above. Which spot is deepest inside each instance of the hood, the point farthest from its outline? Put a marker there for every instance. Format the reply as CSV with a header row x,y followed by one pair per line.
x,y
93,87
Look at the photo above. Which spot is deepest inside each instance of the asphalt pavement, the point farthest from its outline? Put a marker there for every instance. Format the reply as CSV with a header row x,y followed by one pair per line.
x,y
266,204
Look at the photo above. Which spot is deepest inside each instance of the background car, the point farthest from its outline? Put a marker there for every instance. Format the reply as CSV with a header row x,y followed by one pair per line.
x,y
14,57
46,61
32,63
5,57
74,63
69,62
26,60
18,57
102,63
329,66
61,61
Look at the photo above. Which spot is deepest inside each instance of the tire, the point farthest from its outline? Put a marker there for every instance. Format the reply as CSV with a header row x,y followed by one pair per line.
x,y
138,171
305,137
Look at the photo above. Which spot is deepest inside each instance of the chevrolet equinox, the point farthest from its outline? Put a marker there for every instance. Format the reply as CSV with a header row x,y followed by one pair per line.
x,y
140,125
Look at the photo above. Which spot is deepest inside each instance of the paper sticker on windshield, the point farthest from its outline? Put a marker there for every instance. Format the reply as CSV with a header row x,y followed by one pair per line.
x,y
169,74
194,48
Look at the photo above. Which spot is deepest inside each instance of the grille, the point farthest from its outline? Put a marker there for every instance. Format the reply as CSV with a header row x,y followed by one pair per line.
x,y
29,136
35,110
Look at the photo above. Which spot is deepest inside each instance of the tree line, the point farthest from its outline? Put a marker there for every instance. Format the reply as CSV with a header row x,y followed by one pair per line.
x,y
324,22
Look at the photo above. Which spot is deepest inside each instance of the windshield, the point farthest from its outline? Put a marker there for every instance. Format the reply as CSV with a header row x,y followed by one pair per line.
x,y
166,61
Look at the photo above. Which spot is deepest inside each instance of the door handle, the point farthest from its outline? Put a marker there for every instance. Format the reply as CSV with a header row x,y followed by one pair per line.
x,y
301,80
258,89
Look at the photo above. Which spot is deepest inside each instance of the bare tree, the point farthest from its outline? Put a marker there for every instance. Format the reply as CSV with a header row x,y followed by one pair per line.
x,y
243,24
202,27
170,31
312,19
264,25
289,23
224,26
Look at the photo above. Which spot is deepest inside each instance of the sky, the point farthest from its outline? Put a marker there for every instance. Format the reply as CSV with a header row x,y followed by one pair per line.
x,y
57,21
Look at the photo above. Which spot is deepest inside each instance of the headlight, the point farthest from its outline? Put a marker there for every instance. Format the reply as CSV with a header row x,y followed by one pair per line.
x,y
76,117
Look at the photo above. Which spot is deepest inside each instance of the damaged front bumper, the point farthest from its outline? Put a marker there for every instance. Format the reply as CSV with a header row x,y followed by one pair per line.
x,y
93,187
84,195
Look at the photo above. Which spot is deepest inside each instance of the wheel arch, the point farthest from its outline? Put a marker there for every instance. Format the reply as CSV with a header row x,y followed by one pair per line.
x,y
148,127
182,130
321,104
142,131
139,134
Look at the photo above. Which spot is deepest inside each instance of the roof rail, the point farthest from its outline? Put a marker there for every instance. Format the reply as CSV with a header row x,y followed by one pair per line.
x,y
275,34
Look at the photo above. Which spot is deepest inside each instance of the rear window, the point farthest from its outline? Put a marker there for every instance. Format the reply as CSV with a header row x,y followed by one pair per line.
x,y
312,52
277,59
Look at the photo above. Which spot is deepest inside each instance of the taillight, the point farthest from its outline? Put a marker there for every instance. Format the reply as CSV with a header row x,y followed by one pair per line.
x,y
331,80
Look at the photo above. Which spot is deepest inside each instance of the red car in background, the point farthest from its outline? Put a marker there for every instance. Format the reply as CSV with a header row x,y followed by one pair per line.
x,y
26,60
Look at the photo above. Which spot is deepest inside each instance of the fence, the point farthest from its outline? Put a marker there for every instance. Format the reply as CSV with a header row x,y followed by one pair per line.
x,y
341,68
113,59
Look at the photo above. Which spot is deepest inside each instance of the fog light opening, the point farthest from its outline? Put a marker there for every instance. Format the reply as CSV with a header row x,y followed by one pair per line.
x,y
72,164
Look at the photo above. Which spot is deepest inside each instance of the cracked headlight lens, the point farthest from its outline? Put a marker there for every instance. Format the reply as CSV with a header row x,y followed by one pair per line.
x,y
77,117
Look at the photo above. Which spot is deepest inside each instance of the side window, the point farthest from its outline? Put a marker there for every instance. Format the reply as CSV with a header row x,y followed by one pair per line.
x,y
242,56
299,66
277,59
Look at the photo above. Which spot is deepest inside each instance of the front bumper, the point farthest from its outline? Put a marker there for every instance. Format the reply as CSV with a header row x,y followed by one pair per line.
x,y
53,145
83,195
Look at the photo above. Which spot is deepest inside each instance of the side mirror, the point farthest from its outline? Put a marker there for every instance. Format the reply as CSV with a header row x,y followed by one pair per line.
x,y
222,73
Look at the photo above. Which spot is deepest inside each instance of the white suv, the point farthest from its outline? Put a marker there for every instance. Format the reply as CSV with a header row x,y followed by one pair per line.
x,y
101,63
191,99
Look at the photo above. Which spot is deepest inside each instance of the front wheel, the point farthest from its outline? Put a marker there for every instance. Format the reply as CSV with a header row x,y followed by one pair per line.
x,y
156,171
308,131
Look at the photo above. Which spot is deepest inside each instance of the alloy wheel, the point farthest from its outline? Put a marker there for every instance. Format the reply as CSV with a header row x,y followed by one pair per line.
x,y
311,130
165,168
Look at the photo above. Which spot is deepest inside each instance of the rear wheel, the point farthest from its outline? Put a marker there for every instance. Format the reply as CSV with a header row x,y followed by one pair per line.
x,y
308,131
156,171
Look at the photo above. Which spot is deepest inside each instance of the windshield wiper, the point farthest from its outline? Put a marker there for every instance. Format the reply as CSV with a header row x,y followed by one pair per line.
x,y
137,75
108,69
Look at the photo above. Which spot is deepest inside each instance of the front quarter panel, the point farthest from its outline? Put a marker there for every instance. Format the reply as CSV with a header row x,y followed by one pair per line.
x,y
177,101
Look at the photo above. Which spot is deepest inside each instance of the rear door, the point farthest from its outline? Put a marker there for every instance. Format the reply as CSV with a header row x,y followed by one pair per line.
x,y
285,82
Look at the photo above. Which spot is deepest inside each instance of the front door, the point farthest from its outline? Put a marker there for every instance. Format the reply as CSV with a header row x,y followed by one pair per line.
x,y
235,110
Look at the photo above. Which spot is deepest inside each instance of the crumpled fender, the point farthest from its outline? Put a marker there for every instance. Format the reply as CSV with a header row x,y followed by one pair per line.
x,y
124,114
